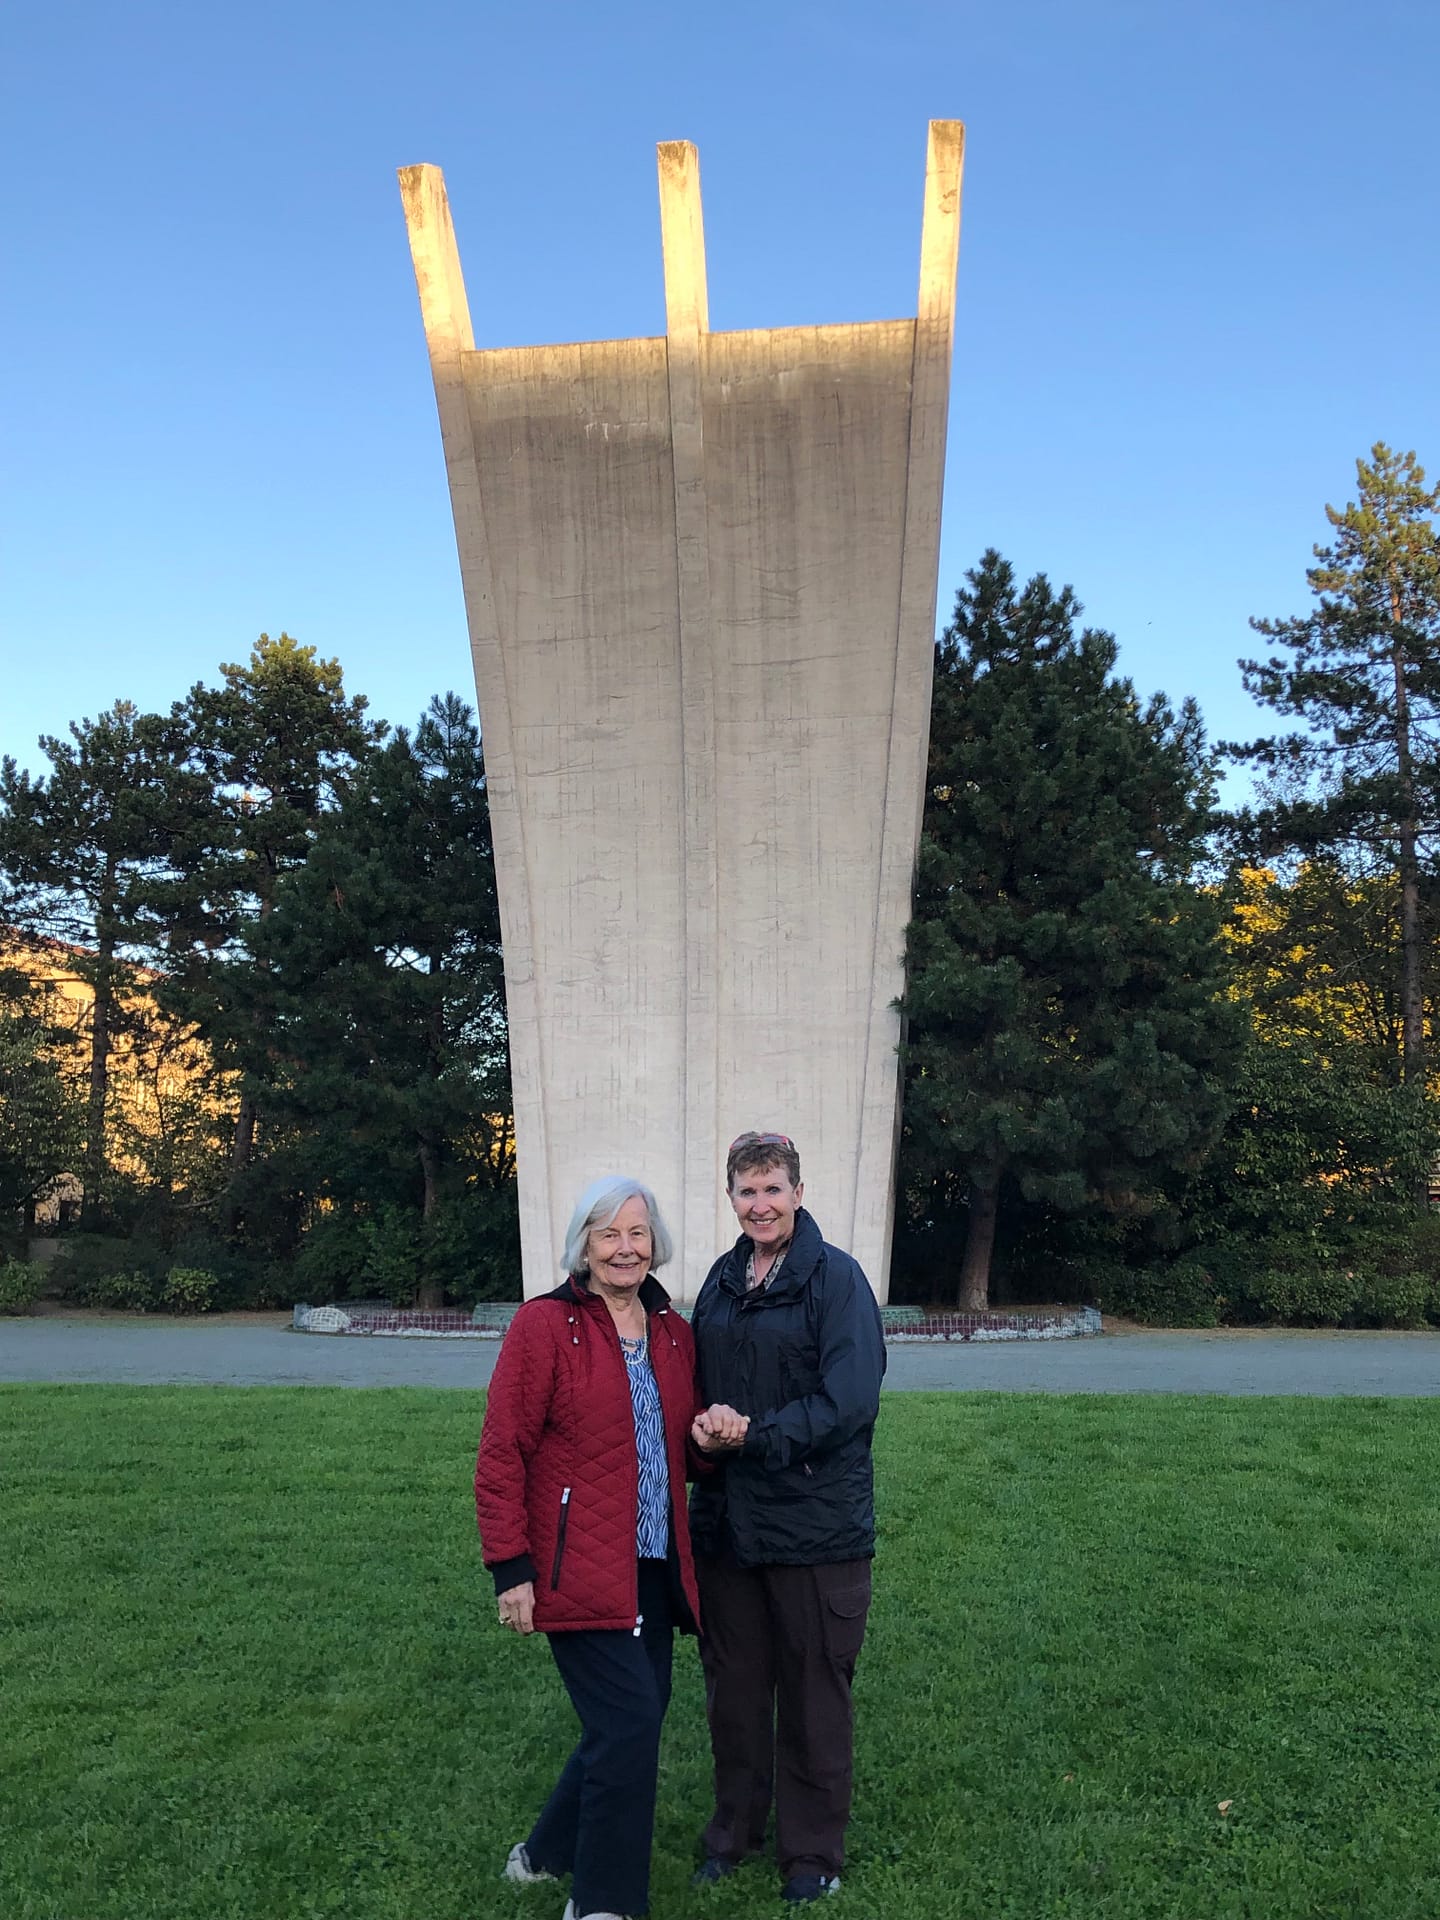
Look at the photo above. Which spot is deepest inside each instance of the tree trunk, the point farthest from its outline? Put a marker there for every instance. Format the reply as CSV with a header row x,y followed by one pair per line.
x,y
1412,997
432,1292
242,1144
101,1012
1412,992
242,1147
979,1244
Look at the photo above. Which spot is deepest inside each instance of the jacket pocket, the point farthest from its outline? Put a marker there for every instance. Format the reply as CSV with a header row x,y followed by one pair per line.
x,y
798,1372
560,1539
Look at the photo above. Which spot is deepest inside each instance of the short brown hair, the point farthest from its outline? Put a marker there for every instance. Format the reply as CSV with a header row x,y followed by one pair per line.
x,y
757,1152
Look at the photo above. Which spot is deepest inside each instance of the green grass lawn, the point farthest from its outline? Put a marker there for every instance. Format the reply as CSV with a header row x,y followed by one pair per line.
x,y
249,1665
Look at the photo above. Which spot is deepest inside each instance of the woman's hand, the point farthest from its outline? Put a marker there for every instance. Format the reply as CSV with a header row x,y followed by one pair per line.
x,y
517,1607
719,1429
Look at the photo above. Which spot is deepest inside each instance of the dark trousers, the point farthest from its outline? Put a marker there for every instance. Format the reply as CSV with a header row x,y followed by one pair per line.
x,y
779,1649
599,1821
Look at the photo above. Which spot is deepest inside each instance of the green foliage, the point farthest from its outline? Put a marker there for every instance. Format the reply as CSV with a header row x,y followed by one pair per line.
x,y
319,907
1069,1040
383,952
1172,1293
189,1290
19,1286
471,1246
41,1120
136,1290
274,746
87,852
1294,1284
466,1252
1315,1151
1362,671
102,1270
330,1264
391,1239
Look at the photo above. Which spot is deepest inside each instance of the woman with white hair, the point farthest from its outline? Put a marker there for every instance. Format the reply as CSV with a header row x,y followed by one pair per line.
x,y
579,1491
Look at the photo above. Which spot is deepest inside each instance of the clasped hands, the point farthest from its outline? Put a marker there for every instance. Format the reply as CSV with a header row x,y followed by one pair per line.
x,y
719,1429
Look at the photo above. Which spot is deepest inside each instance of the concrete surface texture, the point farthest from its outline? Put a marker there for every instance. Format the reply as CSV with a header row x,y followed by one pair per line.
x,y
262,1351
700,581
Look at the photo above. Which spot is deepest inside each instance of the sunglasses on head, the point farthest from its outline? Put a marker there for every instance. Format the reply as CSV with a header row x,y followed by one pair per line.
x,y
761,1140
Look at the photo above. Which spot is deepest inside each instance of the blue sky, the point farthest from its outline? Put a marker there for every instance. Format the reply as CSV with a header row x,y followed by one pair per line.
x,y
1198,276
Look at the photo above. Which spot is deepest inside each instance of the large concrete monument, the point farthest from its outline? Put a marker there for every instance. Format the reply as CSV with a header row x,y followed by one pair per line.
x,y
700,579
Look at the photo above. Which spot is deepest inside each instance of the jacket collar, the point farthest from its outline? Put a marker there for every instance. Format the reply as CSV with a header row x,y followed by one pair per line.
x,y
573,1291
802,1257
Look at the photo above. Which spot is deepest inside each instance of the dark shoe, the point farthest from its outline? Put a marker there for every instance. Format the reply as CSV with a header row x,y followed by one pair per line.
x,y
809,1886
710,1870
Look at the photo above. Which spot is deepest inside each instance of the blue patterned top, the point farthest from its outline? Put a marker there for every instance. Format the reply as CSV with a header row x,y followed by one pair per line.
x,y
652,1531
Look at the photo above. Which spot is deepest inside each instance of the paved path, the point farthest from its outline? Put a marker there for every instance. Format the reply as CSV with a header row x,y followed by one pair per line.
x,y
263,1352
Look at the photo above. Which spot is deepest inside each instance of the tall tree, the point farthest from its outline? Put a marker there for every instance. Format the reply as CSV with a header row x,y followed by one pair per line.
x,y
275,741
1069,1037
41,1123
385,951
87,852
1362,670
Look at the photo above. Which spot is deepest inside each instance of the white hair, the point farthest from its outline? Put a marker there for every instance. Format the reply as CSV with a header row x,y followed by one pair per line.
x,y
598,1206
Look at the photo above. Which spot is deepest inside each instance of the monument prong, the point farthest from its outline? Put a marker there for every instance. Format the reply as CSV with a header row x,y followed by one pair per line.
x,y
445,311
687,325
914,670
682,238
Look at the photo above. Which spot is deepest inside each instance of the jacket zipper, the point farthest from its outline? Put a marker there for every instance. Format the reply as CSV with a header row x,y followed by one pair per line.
x,y
560,1539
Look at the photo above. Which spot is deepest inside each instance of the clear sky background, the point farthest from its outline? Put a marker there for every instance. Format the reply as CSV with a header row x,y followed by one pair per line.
x,y
1198,277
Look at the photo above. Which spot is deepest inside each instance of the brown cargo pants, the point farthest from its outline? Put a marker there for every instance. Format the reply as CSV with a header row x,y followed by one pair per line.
x,y
779,1646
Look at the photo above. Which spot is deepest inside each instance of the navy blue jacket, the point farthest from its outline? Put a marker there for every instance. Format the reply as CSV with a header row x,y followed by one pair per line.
x,y
804,1357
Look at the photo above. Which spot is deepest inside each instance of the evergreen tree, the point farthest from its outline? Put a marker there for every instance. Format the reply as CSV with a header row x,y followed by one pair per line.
x,y
384,950
41,1122
1362,670
88,852
1069,1038
275,742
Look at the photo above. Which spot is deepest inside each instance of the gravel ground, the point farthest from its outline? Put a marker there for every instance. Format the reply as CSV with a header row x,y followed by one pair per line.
x,y
261,1350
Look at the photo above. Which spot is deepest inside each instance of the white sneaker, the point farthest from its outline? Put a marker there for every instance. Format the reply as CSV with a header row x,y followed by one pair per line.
x,y
571,1914
518,1867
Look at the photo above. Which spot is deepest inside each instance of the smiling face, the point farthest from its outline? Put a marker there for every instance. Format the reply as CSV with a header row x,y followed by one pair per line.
x,y
619,1254
765,1205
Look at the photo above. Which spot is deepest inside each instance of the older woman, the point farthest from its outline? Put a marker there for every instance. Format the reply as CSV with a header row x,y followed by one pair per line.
x,y
579,1490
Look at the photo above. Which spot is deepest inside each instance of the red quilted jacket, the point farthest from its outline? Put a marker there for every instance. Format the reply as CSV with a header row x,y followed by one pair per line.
x,y
556,1481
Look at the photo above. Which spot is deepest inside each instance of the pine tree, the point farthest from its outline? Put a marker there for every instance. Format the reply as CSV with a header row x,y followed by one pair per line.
x,y
41,1129
384,950
88,852
275,742
1068,1037
1363,673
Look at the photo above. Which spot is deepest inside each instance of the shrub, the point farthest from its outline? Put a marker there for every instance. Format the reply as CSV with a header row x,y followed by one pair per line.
x,y
1173,1293
244,1276
19,1285
92,1269
471,1246
189,1290
138,1291
331,1262
1396,1300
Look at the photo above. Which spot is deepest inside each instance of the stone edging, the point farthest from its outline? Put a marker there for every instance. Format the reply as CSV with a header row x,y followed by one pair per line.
x,y
489,1321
